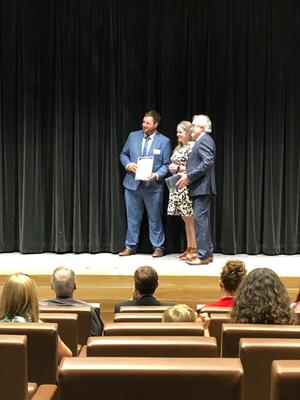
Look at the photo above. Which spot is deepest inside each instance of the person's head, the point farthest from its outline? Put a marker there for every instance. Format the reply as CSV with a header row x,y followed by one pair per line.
x,y
262,299
201,123
231,276
63,282
179,313
150,122
145,280
19,298
184,132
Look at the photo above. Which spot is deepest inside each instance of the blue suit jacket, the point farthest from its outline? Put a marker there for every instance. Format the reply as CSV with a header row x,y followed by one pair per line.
x,y
160,149
201,167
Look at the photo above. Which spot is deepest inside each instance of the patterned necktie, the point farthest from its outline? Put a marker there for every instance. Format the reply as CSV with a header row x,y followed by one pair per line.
x,y
145,148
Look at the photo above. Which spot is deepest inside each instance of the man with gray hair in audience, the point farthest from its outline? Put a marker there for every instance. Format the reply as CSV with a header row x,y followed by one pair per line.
x,y
63,283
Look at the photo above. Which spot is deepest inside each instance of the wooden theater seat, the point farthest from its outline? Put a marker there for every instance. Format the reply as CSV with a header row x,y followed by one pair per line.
x,y
84,318
154,328
257,356
144,309
13,372
137,317
232,333
151,346
150,378
215,327
67,328
41,348
285,380
214,310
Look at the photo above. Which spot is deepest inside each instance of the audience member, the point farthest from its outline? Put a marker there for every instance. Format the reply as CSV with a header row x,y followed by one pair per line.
x,y
145,284
296,304
19,303
184,313
63,283
179,313
231,276
262,299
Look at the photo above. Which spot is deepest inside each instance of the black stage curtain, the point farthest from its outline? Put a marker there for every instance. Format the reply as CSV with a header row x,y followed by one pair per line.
x,y
76,77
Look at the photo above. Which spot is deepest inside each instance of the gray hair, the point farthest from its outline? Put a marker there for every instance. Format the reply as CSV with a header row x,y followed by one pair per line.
x,y
63,284
203,120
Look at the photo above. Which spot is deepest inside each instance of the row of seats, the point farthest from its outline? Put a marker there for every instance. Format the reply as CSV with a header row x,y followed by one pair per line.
x,y
160,378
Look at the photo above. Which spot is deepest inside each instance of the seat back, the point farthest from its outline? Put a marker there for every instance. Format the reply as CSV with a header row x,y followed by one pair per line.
x,y
144,309
13,367
84,319
137,317
159,378
215,326
154,329
67,328
215,310
41,348
285,380
232,333
151,346
297,313
256,356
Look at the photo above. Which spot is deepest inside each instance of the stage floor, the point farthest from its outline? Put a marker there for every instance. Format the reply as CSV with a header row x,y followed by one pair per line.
x,y
112,264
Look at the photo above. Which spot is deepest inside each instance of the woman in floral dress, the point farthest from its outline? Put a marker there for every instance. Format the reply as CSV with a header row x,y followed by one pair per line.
x,y
179,201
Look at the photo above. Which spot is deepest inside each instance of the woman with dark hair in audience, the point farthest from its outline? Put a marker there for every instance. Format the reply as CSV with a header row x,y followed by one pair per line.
x,y
231,276
19,303
262,299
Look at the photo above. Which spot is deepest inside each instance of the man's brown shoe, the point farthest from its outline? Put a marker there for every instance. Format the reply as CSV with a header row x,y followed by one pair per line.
x,y
197,261
211,258
128,251
158,253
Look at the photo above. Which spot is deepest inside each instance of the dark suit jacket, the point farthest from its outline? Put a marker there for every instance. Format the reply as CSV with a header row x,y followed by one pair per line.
x,y
201,167
145,300
97,324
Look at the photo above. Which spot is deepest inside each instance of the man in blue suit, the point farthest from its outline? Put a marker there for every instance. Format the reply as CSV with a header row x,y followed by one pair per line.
x,y
200,178
147,193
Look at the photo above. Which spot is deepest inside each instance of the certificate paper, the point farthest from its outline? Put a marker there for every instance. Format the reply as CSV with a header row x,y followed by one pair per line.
x,y
144,168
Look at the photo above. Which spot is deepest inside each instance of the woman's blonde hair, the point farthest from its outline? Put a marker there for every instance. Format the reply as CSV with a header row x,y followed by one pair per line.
x,y
186,126
179,313
19,298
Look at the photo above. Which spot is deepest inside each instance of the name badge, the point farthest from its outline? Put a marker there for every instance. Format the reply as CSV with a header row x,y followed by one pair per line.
x,y
156,151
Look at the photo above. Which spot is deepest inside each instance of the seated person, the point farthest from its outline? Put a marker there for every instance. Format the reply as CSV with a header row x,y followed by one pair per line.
x,y
19,303
63,283
184,313
262,299
231,276
296,304
145,284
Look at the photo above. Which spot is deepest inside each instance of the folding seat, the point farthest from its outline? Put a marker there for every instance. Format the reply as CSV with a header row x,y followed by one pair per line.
x,y
285,380
151,346
256,356
215,326
154,328
84,318
126,378
232,333
41,348
67,328
13,372
138,317
144,309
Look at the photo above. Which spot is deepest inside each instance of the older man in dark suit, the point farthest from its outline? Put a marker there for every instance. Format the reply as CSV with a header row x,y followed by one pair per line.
x,y
200,178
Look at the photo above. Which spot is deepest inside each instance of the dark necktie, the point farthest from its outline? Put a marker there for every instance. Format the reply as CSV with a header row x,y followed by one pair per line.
x,y
145,148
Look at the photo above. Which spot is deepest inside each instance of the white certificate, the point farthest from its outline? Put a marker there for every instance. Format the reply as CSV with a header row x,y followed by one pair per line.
x,y
144,168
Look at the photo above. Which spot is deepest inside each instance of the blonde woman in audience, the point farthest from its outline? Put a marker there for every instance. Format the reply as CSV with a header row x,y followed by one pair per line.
x,y
184,313
262,299
231,276
19,303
